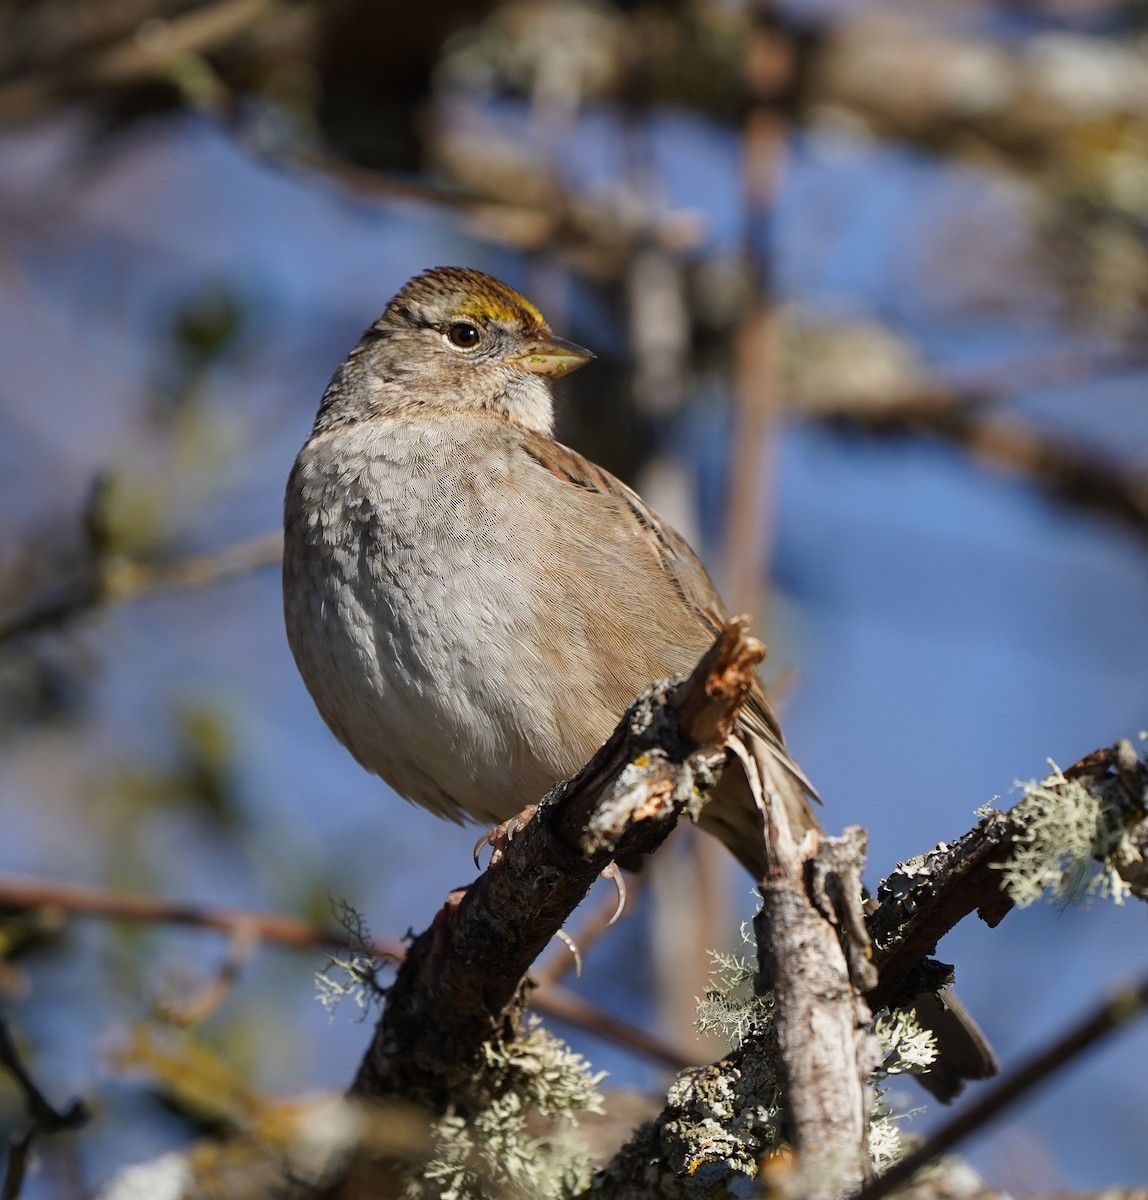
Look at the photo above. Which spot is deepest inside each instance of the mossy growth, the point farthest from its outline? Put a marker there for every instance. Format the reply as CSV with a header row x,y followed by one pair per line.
x,y
354,974
1072,846
512,1131
734,1010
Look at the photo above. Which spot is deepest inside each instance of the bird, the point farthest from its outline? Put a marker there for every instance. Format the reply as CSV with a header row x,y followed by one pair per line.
x,y
472,604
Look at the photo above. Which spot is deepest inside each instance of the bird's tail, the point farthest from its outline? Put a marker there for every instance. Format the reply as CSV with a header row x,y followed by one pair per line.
x,y
735,814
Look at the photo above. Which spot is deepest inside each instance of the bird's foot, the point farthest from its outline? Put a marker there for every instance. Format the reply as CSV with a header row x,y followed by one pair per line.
x,y
502,835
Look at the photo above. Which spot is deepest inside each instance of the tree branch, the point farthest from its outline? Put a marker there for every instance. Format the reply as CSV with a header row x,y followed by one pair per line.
x,y
458,986
717,1120
43,1118
112,579
812,950
1065,469
927,896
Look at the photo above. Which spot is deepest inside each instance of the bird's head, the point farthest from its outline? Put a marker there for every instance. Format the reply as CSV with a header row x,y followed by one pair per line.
x,y
454,339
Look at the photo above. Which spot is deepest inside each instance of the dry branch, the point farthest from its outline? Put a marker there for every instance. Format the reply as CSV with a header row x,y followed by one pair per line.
x,y
1078,475
927,896
811,949
21,894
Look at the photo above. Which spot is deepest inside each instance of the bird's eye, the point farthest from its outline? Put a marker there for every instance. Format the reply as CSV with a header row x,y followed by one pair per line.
x,y
463,334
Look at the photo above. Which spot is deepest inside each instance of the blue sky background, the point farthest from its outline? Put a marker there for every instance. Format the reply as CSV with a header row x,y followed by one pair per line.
x,y
948,629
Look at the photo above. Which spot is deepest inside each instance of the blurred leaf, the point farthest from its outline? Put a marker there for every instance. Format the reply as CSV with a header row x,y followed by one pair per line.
x,y
38,684
127,516
191,1077
209,324
204,331
207,753
201,774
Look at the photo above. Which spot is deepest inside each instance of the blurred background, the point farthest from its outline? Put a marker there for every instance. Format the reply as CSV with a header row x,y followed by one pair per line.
x,y
868,283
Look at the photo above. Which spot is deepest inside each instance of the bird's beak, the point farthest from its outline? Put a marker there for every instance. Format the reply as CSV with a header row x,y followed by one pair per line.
x,y
553,356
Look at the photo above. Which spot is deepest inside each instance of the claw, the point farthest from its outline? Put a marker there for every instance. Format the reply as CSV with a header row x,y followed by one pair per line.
x,y
614,872
572,946
502,835
484,840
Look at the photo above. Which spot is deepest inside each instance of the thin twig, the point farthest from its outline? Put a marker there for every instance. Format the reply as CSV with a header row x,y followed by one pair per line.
x,y
1112,1014
117,581
241,946
21,893
145,51
1068,470
564,1005
129,581
44,1118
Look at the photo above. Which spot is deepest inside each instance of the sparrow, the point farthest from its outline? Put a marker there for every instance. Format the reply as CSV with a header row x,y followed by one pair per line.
x,y
473,605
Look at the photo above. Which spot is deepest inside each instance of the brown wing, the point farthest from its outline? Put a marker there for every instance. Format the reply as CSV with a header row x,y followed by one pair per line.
x,y
620,530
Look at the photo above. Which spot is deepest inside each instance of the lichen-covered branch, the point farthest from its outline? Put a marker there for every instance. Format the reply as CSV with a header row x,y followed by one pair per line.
x,y
798,1074
450,1038
1092,813
720,1121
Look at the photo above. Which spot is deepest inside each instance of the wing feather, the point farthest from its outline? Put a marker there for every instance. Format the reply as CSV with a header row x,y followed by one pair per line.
x,y
619,529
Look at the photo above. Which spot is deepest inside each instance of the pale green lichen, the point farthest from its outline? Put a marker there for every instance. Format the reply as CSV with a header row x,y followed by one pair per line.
x,y
906,1047
1069,842
884,1137
347,978
354,975
487,1143
491,1150
733,1010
